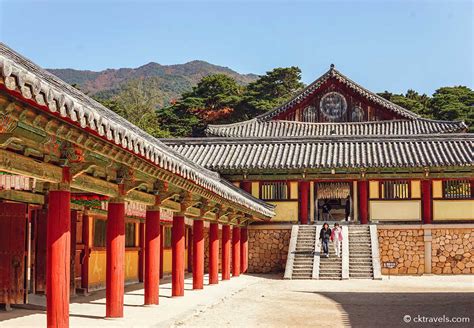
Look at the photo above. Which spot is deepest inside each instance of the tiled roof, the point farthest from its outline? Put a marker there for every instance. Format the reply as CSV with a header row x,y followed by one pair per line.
x,y
277,128
266,125
455,150
38,85
334,73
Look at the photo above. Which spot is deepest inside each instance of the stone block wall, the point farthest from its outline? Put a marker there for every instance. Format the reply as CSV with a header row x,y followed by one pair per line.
x,y
419,249
206,250
268,249
405,247
452,251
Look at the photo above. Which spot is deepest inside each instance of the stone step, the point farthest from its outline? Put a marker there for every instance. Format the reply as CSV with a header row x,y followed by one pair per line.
x,y
357,272
303,272
327,270
330,278
301,277
356,263
361,276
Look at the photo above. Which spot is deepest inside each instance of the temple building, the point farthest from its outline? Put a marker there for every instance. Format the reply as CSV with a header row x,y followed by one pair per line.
x,y
89,201
337,144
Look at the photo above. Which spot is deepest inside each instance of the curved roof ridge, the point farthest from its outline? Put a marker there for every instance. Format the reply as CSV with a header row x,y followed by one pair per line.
x,y
283,128
363,122
327,138
252,120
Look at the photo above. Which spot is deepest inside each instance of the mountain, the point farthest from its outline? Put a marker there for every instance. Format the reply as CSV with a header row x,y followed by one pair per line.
x,y
171,80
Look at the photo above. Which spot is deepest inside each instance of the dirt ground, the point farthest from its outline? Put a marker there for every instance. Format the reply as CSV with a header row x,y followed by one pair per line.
x,y
271,302
268,301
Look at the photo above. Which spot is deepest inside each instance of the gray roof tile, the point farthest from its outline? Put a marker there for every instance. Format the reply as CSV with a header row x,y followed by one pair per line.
x,y
442,150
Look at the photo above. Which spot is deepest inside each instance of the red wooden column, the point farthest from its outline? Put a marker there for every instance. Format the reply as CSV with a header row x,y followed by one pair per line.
x,y
236,251
87,240
363,198
58,248
304,204
426,201
115,274
152,254
244,249
189,241
225,252
198,254
177,256
141,252
213,253
162,247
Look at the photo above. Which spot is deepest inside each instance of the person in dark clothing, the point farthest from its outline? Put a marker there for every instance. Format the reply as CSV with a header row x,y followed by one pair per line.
x,y
348,208
325,235
326,211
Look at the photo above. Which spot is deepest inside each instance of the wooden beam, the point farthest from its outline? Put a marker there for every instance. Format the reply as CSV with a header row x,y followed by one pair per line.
x,y
22,196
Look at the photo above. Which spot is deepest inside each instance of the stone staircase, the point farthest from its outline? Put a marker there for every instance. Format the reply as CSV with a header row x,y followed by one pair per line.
x,y
304,253
360,252
330,268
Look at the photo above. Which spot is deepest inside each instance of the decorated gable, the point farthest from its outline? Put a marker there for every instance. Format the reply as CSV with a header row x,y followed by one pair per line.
x,y
334,98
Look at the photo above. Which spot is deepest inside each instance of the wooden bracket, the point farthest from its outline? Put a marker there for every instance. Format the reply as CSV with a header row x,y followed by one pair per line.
x,y
7,138
77,169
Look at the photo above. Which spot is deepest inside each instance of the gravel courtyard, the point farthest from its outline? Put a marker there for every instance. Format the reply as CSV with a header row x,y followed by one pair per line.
x,y
268,301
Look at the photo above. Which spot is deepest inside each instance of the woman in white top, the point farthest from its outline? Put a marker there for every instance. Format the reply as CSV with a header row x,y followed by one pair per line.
x,y
336,238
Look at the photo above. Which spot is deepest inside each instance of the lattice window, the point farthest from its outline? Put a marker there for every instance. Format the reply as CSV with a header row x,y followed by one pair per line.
x,y
130,234
457,189
310,115
167,237
100,228
274,191
398,189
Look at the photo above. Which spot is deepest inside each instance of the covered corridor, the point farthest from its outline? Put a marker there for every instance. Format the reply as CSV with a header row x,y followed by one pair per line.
x,y
70,148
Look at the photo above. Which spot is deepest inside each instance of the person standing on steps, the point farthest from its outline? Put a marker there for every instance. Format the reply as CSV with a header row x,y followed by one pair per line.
x,y
326,211
325,235
348,208
336,238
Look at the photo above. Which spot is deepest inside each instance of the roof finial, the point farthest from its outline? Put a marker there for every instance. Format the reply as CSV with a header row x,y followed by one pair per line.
x,y
332,66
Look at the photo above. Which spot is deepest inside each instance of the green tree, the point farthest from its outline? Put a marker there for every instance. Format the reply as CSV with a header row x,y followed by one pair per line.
x,y
212,100
137,102
454,103
412,101
271,90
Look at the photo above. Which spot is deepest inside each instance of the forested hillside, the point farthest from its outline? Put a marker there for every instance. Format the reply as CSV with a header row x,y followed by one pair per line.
x,y
170,80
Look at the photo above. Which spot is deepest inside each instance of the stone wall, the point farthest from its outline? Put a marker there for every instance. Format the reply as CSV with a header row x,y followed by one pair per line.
x,y
419,249
405,247
206,250
452,251
268,249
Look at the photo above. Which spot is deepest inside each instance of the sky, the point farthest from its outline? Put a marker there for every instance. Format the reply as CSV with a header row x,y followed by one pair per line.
x,y
383,45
